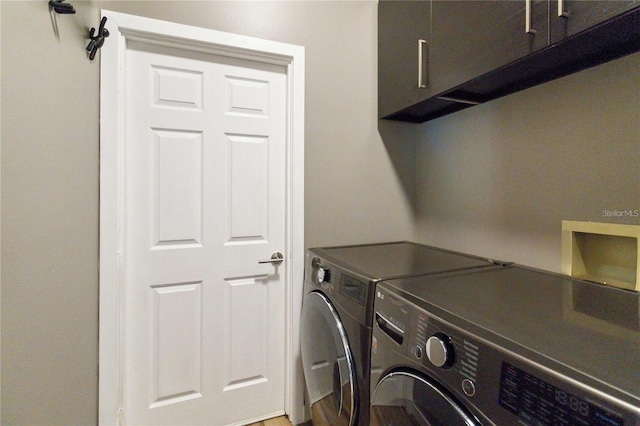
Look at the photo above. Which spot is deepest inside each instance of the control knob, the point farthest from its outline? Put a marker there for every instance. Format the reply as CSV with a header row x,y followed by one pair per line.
x,y
322,274
440,351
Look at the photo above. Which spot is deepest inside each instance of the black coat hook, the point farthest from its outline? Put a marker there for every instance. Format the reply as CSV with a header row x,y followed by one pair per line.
x,y
98,40
60,7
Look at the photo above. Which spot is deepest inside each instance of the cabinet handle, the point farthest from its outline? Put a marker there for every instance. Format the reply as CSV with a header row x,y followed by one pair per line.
x,y
561,12
421,67
527,18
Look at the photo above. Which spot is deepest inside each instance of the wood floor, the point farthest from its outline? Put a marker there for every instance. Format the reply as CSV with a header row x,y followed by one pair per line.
x,y
276,421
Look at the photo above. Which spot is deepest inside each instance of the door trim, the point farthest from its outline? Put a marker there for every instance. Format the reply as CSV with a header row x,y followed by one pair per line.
x,y
122,28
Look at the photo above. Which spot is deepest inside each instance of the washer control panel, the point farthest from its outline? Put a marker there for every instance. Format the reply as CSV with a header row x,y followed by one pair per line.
x,y
496,379
446,349
427,341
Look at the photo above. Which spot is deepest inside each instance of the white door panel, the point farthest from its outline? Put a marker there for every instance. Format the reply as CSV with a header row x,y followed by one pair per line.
x,y
204,201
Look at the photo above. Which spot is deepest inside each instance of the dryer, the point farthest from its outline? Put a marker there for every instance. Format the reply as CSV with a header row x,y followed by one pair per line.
x,y
337,318
508,346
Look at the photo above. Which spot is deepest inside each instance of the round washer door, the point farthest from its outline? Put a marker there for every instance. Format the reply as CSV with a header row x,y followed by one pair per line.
x,y
404,398
327,362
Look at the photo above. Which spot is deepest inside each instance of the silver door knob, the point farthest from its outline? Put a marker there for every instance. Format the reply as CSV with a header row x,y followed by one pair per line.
x,y
276,259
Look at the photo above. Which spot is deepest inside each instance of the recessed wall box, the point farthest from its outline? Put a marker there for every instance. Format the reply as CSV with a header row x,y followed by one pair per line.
x,y
602,252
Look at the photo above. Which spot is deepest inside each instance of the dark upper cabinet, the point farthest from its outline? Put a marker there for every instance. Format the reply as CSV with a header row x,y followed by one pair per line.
x,y
405,23
570,17
471,38
475,51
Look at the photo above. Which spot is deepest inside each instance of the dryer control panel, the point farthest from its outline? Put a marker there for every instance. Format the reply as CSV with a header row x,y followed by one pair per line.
x,y
345,288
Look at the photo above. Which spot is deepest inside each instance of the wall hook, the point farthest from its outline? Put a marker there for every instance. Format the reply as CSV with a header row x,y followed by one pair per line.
x,y
98,40
60,7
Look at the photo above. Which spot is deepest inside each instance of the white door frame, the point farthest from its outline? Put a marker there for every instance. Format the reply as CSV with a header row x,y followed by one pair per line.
x,y
123,27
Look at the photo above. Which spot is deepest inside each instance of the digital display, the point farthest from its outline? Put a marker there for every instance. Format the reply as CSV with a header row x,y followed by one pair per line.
x,y
537,402
353,289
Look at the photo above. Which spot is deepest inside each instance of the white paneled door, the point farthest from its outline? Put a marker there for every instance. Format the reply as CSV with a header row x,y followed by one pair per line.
x,y
204,200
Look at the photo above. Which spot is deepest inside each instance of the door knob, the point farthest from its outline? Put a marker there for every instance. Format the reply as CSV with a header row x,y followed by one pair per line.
x,y
276,259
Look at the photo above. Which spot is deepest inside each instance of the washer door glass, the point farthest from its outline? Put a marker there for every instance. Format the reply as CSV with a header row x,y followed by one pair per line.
x,y
403,398
327,362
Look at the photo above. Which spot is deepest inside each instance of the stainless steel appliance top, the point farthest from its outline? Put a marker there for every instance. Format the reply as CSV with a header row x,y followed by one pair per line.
x,y
398,259
583,330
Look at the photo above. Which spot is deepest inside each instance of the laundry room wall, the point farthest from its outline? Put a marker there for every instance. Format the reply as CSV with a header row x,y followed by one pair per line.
x,y
49,215
498,179
357,187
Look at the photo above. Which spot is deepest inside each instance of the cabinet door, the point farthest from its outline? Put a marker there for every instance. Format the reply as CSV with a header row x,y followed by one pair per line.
x,y
471,38
570,17
401,24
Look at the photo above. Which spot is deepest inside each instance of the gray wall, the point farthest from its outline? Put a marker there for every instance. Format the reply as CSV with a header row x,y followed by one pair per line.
x,y
493,180
357,188
49,217
498,179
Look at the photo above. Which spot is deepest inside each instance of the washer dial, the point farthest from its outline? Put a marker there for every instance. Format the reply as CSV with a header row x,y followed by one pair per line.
x,y
440,350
